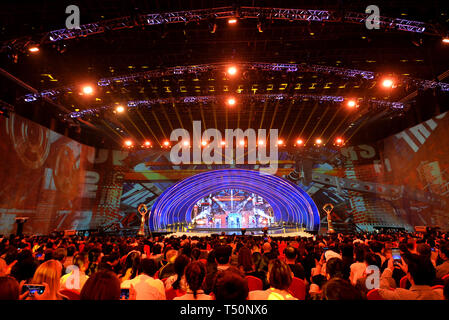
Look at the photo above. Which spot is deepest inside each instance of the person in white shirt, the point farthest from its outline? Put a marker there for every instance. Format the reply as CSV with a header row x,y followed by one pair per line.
x,y
145,286
358,268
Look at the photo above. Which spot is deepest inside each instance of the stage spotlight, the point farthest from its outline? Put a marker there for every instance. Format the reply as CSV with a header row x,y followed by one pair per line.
x,y
242,142
339,141
318,141
128,143
351,103
232,21
120,109
280,142
33,48
223,143
186,143
388,83
231,102
261,143
88,90
446,40
147,144
299,142
232,71
166,143
204,143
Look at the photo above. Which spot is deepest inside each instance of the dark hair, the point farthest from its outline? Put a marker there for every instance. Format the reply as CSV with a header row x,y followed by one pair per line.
x,y
340,289
373,259
148,266
223,254
195,273
79,259
180,264
422,270
334,268
102,285
244,259
230,285
280,274
132,261
290,253
196,253
9,288
360,253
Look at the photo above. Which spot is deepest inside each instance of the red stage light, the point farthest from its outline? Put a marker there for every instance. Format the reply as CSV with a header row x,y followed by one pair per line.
x,y
231,102
147,143
33,49
339,141
232,21
280,142
388,83
261,142
204,143
318,141
232,71
88,90
446,40
166,143
242,142
120,109
186,143
128,143
351,103
299,142
223,143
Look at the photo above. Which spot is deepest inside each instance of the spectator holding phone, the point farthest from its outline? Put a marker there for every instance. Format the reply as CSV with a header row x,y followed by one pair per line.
x,y
421,274
48,275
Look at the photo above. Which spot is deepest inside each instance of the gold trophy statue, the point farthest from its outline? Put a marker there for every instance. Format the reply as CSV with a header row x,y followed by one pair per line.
x,y
142,209
328,207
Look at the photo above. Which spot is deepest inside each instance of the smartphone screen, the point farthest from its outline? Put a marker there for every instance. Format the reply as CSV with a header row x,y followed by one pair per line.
x,y
33,288
124,294
396,254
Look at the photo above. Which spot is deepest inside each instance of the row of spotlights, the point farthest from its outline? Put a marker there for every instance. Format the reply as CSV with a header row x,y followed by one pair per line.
x,y
298,143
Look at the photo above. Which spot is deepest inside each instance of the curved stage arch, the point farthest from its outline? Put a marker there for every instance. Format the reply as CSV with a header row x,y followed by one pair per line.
x,y
289,202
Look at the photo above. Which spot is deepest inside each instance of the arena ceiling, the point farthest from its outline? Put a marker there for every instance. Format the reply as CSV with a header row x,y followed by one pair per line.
x,y
296,75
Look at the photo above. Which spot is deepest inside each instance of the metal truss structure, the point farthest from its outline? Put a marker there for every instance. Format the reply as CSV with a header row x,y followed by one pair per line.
x,y
197,69
242,12
210,15
215,98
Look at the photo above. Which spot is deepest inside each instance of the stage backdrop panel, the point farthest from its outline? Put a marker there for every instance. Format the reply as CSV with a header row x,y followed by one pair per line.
x,y
44,176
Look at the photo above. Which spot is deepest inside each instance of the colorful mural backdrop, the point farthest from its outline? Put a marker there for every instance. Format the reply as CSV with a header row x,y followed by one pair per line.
x,y
60,184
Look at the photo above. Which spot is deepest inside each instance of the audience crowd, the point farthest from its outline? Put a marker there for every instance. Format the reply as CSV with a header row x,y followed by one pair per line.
x,y
226,267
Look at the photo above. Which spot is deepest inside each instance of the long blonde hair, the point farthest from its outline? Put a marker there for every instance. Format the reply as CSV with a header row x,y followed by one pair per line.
x,y
50,273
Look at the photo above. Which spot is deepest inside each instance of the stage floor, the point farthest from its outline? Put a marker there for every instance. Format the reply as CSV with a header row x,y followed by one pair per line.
x,y
277,233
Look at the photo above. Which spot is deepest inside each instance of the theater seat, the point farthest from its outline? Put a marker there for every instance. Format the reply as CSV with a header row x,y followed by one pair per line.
x,y
254,283
70,294
298,288
374,295
438,286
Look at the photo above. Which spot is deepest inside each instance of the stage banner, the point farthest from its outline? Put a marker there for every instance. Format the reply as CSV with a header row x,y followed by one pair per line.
x,y
418,159
44,176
